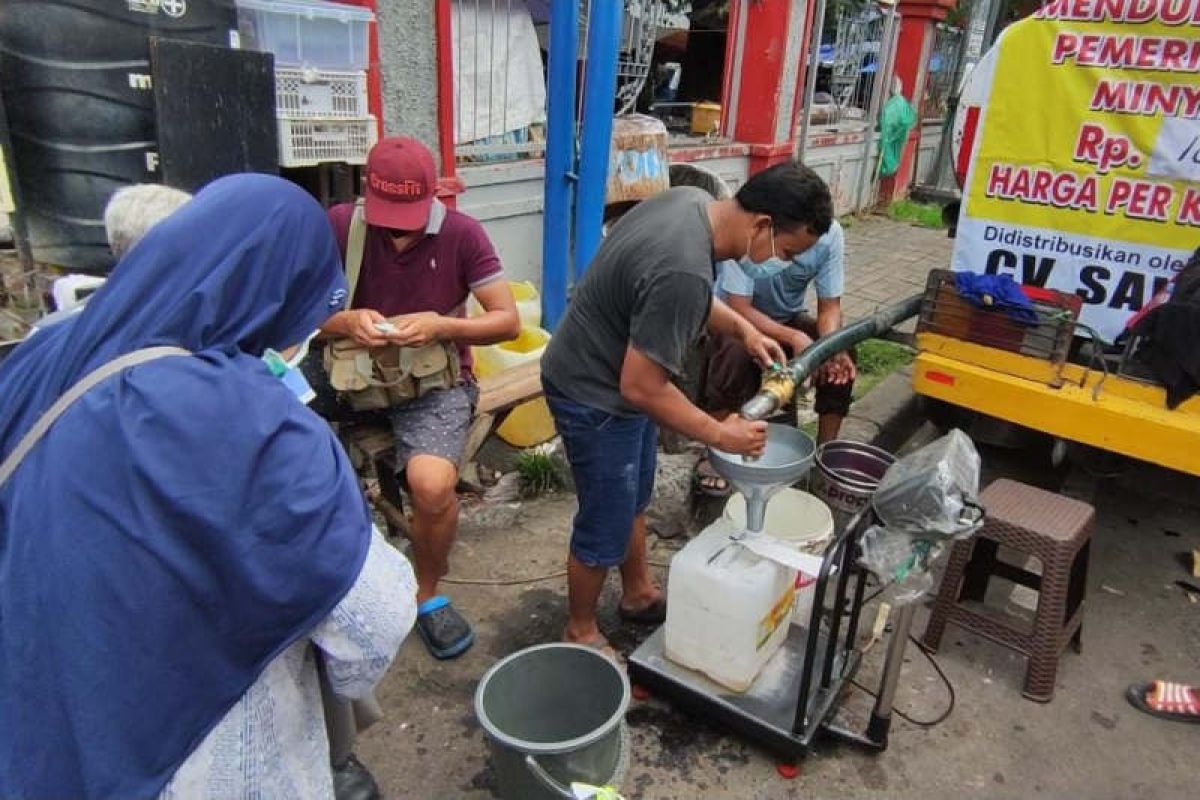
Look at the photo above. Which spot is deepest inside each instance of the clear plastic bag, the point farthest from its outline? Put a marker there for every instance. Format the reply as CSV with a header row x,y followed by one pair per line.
x,y
925,499
900,561
931,493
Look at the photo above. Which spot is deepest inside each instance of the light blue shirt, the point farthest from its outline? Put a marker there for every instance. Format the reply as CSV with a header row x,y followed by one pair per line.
x,y
781,296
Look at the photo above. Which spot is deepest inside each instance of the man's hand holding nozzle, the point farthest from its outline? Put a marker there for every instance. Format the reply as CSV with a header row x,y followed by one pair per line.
x,y
742,436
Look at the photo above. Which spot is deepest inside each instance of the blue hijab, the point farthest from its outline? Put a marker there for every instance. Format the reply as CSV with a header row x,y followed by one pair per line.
x,y
184,521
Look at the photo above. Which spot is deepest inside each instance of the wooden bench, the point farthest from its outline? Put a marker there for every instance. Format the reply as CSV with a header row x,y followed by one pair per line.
x,y
372,450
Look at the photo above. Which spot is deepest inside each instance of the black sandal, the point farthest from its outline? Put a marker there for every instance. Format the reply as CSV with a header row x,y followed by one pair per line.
x,y
443,629
353,781
1166,700
707,482
653,614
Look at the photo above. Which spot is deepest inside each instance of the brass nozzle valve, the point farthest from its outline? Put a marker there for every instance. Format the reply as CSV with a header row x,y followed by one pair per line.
x,y
778,382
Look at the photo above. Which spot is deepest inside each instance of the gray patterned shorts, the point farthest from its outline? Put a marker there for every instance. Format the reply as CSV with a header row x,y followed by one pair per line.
x,y
434,425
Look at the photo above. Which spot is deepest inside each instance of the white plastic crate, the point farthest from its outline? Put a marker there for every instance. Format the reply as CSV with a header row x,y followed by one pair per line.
x,y
308,142
312,93
306,33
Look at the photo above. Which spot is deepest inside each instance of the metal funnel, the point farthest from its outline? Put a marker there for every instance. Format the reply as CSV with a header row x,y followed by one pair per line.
x,y
788,456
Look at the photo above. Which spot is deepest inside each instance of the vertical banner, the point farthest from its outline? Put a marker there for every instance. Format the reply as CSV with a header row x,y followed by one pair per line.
x,y
1085,175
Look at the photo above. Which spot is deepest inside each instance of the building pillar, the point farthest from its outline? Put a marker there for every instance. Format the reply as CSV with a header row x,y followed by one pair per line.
x,y
763,77
408,69
415,82
918,21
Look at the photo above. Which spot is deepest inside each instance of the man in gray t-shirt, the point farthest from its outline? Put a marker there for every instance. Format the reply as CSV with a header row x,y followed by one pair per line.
x,y
645,300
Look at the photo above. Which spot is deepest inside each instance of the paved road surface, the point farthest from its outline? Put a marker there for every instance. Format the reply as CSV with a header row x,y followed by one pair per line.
x,y
1087,743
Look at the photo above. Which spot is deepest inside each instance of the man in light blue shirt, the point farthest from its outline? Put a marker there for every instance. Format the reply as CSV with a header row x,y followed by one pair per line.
x,y
775,305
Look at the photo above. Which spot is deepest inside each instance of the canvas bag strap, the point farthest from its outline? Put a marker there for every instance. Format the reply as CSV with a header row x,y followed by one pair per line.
x,y
10,464
355,245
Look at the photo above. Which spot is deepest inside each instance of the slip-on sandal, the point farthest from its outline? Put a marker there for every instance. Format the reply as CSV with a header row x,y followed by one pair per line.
x,y
443,629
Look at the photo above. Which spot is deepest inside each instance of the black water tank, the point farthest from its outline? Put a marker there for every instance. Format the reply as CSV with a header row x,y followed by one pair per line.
x,y
75,81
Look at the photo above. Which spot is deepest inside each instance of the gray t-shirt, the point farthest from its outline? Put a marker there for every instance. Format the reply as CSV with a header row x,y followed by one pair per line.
x,y
649,286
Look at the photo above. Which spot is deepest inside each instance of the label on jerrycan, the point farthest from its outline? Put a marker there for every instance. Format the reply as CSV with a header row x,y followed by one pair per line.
x,y
780,613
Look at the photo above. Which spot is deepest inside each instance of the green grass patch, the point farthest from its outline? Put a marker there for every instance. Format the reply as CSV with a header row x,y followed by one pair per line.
x,y
926,215
878,358
538,473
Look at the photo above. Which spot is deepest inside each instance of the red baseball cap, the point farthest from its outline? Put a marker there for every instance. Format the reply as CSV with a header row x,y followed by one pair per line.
x,y
399,184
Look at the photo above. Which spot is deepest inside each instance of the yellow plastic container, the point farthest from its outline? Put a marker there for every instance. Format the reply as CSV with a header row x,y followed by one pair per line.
x,y
494,358
529,303
706,119
530,423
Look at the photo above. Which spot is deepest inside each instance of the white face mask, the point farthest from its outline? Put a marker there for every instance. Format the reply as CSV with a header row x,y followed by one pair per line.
x,y
301,351
288,370
762,269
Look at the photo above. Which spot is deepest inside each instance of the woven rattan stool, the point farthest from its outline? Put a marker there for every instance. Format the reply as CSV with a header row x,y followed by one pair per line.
x,y
1054,529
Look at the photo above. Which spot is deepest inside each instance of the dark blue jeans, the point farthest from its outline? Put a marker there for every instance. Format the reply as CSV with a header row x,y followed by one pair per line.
x,y
612,461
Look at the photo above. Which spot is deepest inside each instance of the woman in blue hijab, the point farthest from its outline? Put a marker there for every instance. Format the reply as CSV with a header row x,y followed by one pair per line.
x,y
186,535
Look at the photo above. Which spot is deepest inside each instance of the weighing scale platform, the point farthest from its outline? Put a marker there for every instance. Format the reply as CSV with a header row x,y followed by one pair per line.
x,y
766,712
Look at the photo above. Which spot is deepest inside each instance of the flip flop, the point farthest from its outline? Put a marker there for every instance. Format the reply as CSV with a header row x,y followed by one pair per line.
x,y
653,614
705,474
1176,701
445,633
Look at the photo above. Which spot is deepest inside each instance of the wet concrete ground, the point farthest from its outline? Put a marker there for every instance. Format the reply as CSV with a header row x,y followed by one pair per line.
x,y
1087,743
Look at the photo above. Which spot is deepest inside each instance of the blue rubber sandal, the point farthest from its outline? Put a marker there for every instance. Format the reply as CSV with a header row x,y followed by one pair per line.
x,y
443,629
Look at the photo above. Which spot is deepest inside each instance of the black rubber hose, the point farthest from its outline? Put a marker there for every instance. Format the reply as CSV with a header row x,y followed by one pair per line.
x,y
879,323
817,353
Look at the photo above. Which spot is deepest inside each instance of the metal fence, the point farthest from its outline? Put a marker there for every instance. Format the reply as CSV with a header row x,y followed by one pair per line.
x,y
854,61
945,69
500,80
642,21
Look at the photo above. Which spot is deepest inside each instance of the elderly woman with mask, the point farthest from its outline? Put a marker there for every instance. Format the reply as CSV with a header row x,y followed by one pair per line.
x,y
181,540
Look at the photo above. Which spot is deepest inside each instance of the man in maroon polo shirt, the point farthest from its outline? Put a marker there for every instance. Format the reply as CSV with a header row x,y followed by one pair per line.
x,y
420,262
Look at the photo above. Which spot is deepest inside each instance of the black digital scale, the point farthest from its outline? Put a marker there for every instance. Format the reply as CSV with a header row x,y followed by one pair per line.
x,y
796,695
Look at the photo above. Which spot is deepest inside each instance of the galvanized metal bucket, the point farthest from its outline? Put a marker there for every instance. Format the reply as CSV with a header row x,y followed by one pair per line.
x,y
554,714
847,474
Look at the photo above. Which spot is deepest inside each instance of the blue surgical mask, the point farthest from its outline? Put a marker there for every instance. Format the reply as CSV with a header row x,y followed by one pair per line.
x,y
761,269
288,371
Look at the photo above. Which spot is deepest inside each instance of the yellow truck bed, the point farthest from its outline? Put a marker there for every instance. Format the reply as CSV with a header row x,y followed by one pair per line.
x,y
1110,412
